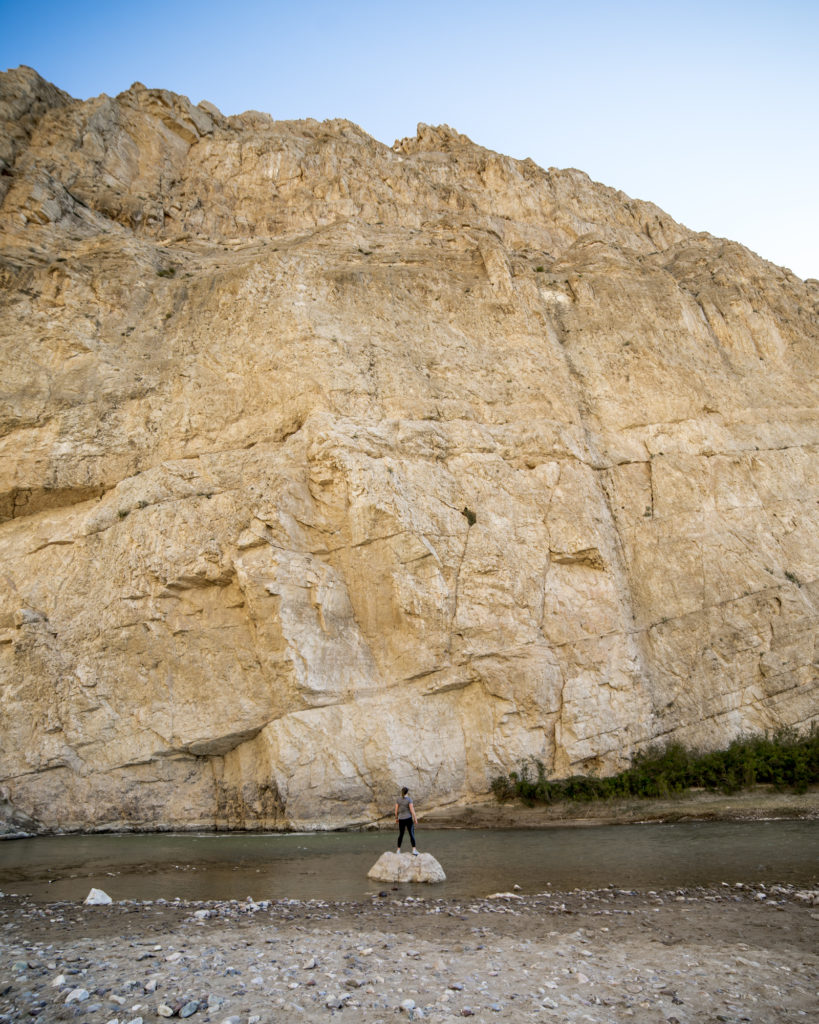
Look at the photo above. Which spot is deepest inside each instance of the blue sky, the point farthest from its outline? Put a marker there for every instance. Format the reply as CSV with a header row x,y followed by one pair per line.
x,y
711,110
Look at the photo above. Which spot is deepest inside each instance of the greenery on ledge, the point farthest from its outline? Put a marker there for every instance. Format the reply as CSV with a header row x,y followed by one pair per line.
x,y
786,760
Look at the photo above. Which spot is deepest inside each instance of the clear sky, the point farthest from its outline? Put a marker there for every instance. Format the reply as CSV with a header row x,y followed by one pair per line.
x,y
709,109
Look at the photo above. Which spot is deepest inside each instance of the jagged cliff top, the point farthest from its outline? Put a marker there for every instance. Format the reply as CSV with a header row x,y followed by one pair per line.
x,y
207,174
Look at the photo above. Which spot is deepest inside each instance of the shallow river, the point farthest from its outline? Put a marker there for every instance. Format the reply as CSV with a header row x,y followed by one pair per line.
x,y
335,865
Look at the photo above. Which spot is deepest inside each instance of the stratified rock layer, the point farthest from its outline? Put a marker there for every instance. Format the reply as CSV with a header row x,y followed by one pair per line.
x,y
327,467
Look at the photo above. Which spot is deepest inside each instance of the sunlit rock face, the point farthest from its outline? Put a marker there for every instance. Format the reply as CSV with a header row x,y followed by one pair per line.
x,y
328,467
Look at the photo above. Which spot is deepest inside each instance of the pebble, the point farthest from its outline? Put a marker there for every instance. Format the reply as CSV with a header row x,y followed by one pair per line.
x,y
237,967
77,995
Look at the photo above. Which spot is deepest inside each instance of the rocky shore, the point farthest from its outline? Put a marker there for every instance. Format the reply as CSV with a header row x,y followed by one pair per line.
x,y
757,803
733,954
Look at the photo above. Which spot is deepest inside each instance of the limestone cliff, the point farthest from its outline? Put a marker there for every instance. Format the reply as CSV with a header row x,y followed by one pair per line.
x,y
327,467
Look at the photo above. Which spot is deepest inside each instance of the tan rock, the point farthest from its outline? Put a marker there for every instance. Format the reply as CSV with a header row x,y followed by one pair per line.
x,y
327,467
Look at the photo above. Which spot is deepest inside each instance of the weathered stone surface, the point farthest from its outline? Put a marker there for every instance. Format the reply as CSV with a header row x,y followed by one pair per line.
x,y
97,898
404,867
327,467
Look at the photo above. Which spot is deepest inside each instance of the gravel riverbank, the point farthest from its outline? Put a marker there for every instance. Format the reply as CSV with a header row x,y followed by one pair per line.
x,y
730,954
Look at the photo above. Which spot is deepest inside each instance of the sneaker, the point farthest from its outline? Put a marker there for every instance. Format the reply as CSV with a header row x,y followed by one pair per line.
x,y
415,853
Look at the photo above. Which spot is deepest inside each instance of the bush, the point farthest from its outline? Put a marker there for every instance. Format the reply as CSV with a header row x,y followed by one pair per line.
x,y
784,760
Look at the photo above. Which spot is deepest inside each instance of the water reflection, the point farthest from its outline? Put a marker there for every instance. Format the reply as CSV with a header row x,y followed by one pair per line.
x,y
335,865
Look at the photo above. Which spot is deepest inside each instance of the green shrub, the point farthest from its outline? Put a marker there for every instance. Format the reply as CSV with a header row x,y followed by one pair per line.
x,y
785,760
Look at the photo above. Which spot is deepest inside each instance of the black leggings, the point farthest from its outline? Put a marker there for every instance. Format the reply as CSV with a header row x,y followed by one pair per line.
x,y
406,825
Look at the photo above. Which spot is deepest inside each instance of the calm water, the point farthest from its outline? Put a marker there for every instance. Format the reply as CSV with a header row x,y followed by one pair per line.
x,y
335,865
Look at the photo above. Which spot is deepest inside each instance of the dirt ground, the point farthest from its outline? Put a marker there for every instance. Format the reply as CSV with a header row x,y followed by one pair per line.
x,y
731,954
755,804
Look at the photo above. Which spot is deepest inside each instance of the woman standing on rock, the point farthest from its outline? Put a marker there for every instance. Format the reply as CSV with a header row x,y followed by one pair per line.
x,y
405,819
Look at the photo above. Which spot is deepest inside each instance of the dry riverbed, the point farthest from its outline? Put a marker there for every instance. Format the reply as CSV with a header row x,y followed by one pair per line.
x,y
731,954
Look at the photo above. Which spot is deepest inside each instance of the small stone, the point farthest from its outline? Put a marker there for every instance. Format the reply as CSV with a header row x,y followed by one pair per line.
x,y
59,981
164,1010
150,986
97,898
408,1005
77,995
189,1009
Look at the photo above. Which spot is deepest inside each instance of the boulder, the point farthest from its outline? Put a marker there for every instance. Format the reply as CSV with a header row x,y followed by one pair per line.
x,y
403,867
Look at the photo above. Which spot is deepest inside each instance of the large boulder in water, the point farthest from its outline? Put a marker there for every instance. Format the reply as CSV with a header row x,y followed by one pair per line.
x,y
401,867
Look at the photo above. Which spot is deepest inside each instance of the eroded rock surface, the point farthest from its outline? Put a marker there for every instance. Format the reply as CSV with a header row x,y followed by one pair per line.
x,y
406,867
327,466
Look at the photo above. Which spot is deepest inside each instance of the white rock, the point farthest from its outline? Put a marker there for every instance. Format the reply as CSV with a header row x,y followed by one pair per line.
x,y
402,867
97,898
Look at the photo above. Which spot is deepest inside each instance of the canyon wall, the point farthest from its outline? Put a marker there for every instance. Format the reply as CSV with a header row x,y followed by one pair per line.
x,y
328,467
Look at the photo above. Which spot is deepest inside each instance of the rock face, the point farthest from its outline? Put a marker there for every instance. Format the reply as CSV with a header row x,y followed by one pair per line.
x,y
327,467
403,867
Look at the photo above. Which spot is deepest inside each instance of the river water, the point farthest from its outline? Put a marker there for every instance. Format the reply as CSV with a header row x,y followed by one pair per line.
x,y
334,865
